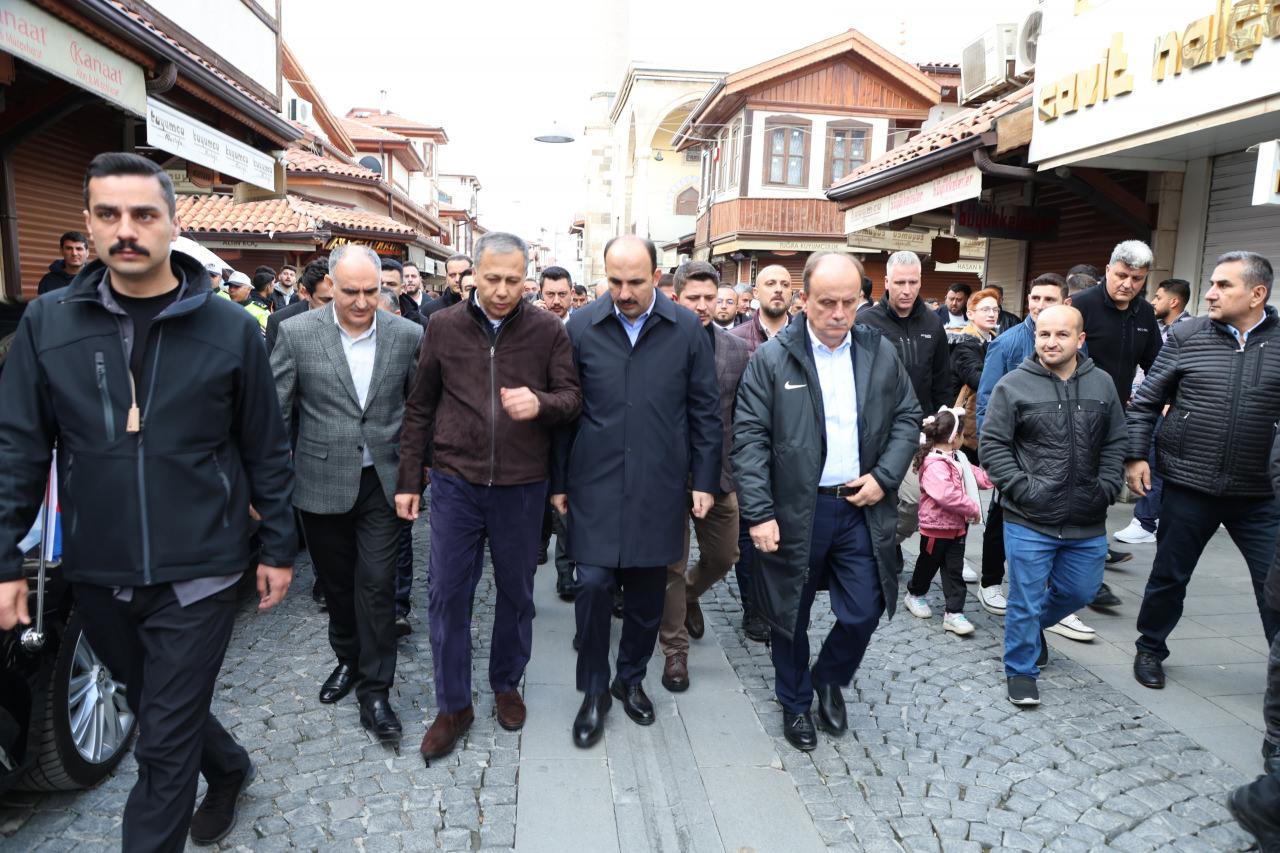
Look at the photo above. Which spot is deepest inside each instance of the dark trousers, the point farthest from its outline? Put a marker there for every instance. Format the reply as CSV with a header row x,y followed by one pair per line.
x,y
1188,520
554,522
947,555
993,546
354,553
462,516
840,556
1147,508
1271,702
169,657
404,569
742,568
643,592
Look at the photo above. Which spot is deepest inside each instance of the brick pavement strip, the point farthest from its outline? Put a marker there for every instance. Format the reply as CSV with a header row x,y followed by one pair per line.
x,y
935,759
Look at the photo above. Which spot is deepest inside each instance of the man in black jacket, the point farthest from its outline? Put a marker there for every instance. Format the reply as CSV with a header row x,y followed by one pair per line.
x,y
918,335
1053,442
75,251
159,458
315,290
454,268
825,428
1220,375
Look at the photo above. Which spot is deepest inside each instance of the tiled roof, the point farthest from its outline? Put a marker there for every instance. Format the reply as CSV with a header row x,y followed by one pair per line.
x,y
962,125
368,132
387,120
289,215
301,160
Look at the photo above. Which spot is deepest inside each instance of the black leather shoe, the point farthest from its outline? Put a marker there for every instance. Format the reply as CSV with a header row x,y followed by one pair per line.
x,y
565,588
754,627
799,731
317,595
1271,758
831,713
376,716
403,628
338,684
1114,557
588,726
634,702
1148,670
1042,659
1105,598
216,817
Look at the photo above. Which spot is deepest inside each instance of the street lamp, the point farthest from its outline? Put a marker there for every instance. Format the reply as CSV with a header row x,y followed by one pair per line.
x,y
554,135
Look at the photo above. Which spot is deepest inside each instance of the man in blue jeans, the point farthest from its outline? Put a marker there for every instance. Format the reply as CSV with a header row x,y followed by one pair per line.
x,y
1053,442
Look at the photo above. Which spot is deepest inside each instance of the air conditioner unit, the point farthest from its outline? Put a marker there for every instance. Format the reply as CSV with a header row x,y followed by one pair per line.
x,y
1028,39
986,65
298,110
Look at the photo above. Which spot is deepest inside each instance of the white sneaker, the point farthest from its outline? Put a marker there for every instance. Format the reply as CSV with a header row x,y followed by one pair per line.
x,y
992,600
1135,534
917,606
957,623
1073,629
968,574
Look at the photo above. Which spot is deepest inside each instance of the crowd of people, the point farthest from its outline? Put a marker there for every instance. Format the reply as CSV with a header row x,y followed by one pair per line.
x,y
802,430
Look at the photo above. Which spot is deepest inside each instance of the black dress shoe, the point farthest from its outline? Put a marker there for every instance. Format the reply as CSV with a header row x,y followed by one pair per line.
x,y
403,628
338,684
317,595
799,730
1148,670
754,627
1105,598
831,714
565,588
588,726
634,702
1114,557
376,716
216,817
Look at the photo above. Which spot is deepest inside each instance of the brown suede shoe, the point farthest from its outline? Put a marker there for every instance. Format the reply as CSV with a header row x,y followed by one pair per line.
x,y
445,732
510,710
693,619
675,673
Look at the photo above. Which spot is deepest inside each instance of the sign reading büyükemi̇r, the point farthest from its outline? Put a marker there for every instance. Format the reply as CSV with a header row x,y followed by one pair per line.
x,y
170,130
32,34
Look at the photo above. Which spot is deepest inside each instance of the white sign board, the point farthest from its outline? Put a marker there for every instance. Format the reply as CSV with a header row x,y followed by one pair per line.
x,y
941,191
1108,71
1266,181
32,34
913,241
179,134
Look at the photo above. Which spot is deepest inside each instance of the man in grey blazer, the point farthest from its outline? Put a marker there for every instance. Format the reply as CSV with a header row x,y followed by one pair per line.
x,y
349,368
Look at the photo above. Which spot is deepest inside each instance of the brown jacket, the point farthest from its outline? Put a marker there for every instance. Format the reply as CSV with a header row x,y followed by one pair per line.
x,y
454,416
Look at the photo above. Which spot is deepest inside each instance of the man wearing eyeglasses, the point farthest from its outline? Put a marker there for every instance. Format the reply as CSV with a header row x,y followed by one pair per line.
x,y
725,312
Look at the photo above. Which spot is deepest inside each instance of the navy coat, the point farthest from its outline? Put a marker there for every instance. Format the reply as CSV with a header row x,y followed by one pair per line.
x,y
650,421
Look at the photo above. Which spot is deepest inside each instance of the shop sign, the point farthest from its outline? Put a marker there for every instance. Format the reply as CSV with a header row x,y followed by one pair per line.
x,y
32,34
780,246
172,131
1204,56
881,239
940,192
382,247
1005,221
1266,180
969,265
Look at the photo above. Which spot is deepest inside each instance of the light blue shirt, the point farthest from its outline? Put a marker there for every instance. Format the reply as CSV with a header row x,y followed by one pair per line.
x,y
1242,337
633,329
840,404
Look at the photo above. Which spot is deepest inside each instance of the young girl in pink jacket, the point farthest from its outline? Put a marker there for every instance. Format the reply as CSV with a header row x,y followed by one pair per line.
x,y
949,487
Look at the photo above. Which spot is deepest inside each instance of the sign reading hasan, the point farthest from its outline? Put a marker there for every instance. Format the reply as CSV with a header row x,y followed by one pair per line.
x,y
941,191
170,130
1112,71
30,33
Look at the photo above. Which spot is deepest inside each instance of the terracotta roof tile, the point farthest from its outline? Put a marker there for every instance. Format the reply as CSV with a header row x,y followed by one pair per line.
x,y
359,130
961,126
301,160
389,121
289,215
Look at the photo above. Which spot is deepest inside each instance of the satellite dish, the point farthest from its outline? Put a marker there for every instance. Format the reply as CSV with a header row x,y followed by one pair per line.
x,y
1028,40
373,164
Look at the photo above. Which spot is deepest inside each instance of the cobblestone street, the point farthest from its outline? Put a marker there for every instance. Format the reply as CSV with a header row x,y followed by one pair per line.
x,y
936,758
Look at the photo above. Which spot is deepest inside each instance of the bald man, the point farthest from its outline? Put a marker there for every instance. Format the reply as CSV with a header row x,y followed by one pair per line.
x,y
773,291
1058,468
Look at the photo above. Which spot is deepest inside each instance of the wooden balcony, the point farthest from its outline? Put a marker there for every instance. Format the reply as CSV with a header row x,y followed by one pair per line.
x,y
789,217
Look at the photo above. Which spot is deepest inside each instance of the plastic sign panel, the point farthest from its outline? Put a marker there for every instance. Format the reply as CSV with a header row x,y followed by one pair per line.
x,y
172,131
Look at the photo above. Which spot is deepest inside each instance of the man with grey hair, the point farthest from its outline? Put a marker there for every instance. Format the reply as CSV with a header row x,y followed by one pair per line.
x,y
1220,379
348,368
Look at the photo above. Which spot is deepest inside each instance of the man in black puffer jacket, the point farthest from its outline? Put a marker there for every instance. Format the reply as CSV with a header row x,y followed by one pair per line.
x,y
1220,374
1052,441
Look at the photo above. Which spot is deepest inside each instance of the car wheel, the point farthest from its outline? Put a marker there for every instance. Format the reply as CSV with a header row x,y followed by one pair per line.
x,y
87,725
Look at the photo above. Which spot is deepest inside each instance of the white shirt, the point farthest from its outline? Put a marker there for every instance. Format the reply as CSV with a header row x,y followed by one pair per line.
x,y
840,404
359,352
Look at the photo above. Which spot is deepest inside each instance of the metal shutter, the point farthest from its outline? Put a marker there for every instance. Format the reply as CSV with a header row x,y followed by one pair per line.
x,y
1234,222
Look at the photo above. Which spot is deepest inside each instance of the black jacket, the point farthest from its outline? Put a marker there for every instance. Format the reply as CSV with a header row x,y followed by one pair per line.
x,y
1273,576
171,501
56,277
1118,341
967,358
1225,404
278,317
447,298
410,310
921,343
1055,449
780,447
650,420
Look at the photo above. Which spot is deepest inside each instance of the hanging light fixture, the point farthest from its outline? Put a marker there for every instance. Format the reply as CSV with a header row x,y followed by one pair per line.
x,y
554,135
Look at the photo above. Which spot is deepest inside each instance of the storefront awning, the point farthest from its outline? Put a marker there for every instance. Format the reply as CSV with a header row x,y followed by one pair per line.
x,y
961,185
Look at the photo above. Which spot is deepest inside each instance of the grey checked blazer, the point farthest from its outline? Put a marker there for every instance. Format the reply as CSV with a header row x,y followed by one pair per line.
x,y
310,369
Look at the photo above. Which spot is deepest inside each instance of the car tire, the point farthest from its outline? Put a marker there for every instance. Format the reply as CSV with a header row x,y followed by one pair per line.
x,y
80,686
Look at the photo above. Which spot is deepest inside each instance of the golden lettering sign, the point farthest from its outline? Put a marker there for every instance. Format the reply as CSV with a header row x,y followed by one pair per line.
x,y
1237,29
1104,80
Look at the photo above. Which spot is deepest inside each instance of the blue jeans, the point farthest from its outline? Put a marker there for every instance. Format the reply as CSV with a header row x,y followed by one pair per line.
x,y
1049,579
1147,509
